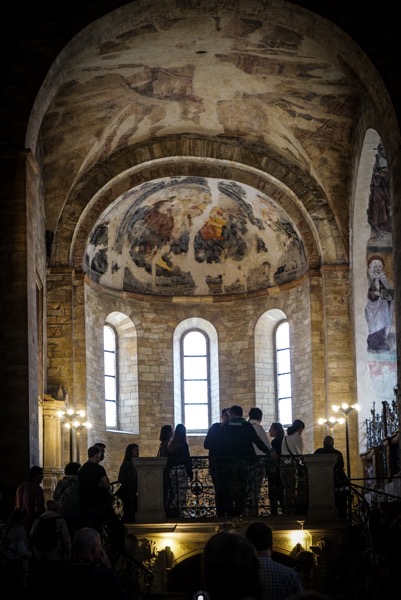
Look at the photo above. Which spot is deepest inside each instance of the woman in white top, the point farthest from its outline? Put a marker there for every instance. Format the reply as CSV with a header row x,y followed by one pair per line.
x,y
293,471
293,442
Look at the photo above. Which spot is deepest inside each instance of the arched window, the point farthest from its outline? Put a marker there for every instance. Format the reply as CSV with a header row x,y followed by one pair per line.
x,y
195,380
110,376
196,375
283,373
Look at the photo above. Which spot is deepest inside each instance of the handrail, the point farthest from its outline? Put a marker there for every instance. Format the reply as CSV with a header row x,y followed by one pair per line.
x,y
235,486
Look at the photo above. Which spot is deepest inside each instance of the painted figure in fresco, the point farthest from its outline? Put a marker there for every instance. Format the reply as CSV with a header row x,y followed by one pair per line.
x,y
379,209
379,307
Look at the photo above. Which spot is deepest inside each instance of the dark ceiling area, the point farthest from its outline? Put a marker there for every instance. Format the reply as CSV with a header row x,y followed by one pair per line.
x,y
35,32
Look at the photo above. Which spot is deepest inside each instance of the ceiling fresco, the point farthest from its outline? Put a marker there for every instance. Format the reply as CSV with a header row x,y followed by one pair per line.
x,y
194,236
247,92
250,74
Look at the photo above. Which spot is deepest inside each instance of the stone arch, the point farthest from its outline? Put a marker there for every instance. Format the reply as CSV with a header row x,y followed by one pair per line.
x,y
295,192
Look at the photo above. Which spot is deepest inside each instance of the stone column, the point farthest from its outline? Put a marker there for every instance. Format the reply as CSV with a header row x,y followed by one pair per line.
x,y
321,488
150,490
52,454
339,349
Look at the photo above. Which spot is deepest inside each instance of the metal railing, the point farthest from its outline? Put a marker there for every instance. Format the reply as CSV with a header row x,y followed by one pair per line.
x,y
237,486
133,573
383,424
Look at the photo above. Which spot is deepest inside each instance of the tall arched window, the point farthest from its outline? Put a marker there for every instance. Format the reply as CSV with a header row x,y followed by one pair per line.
x,y
195,374
110,376
283,373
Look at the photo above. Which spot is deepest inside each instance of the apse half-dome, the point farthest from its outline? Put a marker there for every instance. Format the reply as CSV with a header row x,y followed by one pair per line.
x,y
191,236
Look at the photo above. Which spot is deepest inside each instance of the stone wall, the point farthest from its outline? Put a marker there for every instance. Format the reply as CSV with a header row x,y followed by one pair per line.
x,y
154,322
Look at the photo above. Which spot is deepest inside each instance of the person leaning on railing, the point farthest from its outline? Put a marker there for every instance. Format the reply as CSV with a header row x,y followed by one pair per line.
x,y
293,445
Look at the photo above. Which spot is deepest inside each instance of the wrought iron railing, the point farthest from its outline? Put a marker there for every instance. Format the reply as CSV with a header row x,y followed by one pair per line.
x,y
135,576
237,486
383,424
367,511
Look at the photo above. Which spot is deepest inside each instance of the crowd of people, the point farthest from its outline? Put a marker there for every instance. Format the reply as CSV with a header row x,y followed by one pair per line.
x,y
43,537
241,455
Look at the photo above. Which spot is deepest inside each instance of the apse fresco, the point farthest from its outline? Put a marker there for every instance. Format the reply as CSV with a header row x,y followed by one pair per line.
x,y
194,236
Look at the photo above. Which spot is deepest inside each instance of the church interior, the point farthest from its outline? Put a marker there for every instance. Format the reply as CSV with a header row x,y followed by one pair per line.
x,y
209,166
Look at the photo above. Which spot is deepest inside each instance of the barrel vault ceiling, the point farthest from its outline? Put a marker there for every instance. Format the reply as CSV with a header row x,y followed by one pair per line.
x,y
201,151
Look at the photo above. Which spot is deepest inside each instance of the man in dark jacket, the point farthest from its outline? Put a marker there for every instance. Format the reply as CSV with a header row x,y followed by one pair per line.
x,y
236,453
341,483
210,444
96,499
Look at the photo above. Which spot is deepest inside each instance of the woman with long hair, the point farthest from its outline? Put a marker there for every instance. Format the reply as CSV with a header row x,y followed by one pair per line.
x,y
293,443
128,478
180,470
165,435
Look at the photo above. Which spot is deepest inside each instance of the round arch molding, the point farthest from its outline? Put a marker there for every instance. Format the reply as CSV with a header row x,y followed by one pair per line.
x,y
294,191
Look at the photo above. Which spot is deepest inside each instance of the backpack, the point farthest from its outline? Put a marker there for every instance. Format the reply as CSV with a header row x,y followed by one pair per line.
x,y
45,536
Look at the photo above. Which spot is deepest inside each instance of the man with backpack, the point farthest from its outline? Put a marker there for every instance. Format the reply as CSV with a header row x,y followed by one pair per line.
x,y
50,541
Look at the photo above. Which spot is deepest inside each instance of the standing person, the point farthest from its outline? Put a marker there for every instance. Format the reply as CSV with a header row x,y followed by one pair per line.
x,y
210,444
50,541
293,472
96,501
279,581
180,470
67,495
293,442
341,483
95,490
165,435
30,496
102,449
212,435
89,573
230,568
15,550
276,432
128,478
255,481
235,449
